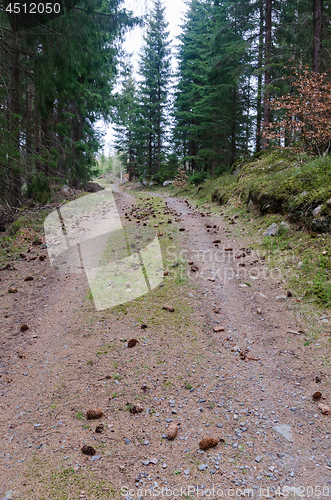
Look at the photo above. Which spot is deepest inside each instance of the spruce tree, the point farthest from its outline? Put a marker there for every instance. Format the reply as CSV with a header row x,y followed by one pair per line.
x,y
125,120
57,75
153,94
212,102
192,77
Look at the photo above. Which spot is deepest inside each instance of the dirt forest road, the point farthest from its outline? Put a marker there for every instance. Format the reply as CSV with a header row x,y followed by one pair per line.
x,y
223,364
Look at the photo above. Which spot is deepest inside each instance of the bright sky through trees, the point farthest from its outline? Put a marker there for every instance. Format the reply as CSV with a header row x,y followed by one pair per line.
x,y
134,38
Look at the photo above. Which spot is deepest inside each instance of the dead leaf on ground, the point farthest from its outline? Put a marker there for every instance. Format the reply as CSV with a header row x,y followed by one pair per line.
x,y
325,409
208,442
243,354
24,328
133,342
88,450
168,308
4,268
93,414
28,278
218,328
172,431
136,409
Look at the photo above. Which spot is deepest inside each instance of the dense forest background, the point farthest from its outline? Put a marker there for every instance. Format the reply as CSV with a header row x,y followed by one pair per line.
x,y
252,74
58,71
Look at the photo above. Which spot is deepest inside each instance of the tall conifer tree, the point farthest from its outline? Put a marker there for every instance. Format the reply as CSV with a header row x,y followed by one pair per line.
x,y
57,73
125,120
212,102
155,72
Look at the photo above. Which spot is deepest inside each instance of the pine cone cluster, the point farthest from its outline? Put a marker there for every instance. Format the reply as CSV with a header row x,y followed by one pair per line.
x,y
181,178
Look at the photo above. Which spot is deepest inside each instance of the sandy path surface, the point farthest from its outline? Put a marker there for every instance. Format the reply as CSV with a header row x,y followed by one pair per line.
x,y
241,384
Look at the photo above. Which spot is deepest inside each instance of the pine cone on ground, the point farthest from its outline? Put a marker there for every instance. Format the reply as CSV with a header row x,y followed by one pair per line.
x,y
88,450
208,442
92,414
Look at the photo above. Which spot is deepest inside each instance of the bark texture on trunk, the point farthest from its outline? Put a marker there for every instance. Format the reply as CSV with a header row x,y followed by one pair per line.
x,y
267,73
317,34
15,183
259,81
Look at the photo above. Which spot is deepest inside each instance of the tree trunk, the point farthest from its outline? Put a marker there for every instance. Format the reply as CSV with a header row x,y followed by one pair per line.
x,y
267,73
37,142
248,114
259,82
317,34
159,129
14,122
150,155
131,155
29,119
233,148
44,145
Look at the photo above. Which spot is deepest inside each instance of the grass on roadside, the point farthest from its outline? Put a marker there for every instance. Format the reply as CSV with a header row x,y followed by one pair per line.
x,y
63,483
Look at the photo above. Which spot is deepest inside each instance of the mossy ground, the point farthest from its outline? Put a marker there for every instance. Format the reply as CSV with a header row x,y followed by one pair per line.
x,y
26,229
28,226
